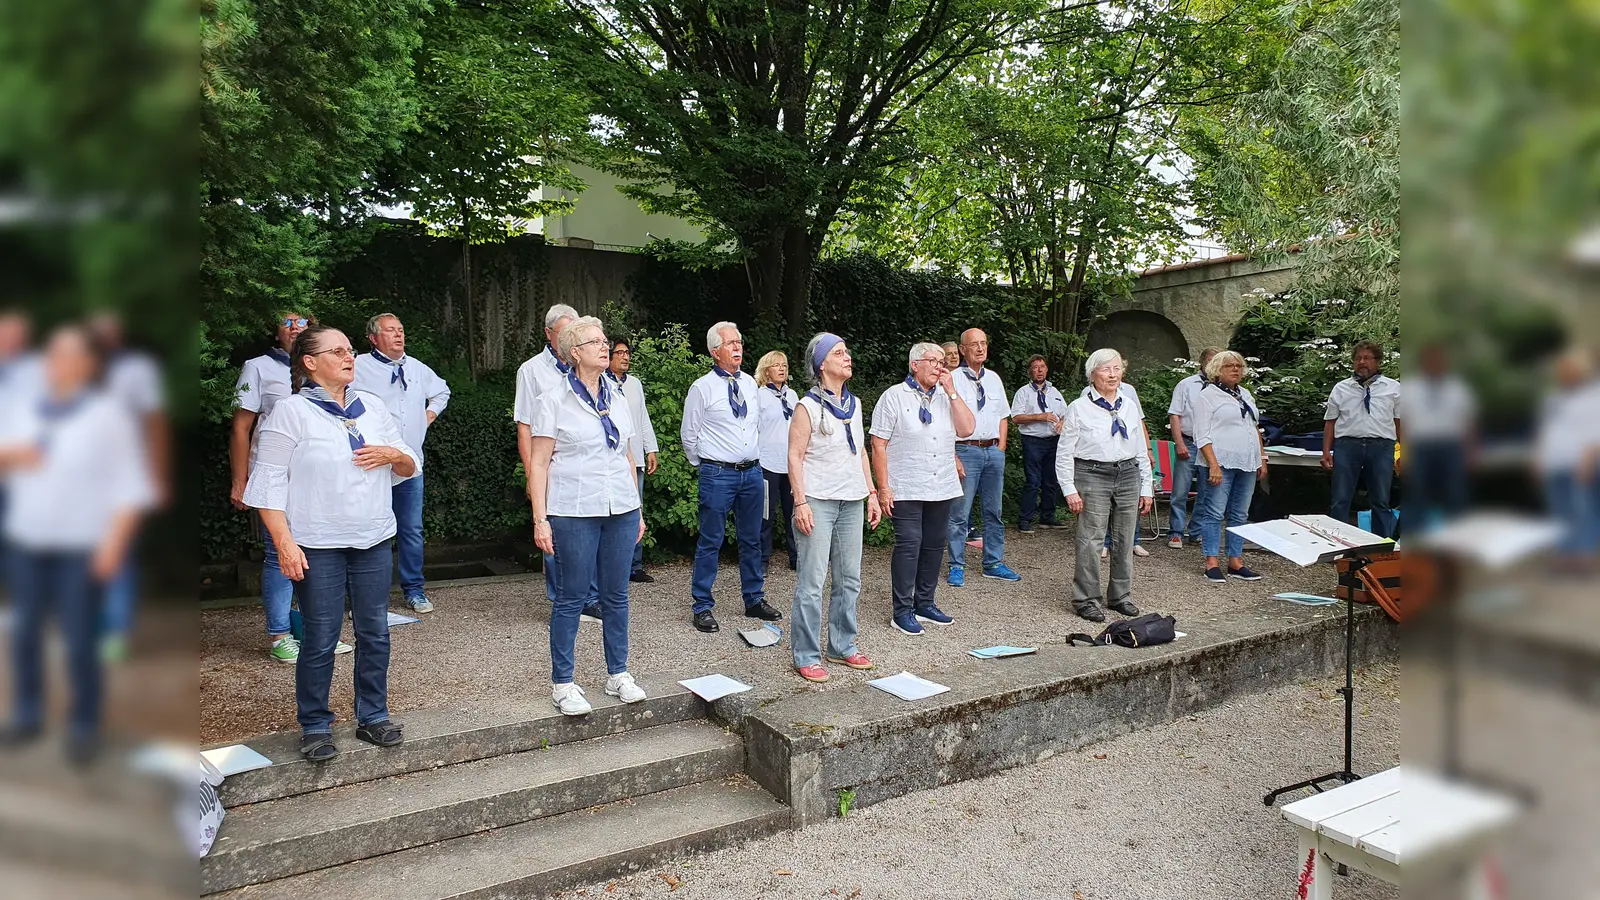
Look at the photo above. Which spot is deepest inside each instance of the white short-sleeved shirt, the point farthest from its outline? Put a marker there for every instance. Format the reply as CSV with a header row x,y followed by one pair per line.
x,y
774,427
1086,434
1437,409
1351,418
994,409
1026,403
832,471
587,478
534,377
422,392
1567,428
1233,437
330,502
921,458
1183,397
710,429
87,476
644,433
263,381
134,378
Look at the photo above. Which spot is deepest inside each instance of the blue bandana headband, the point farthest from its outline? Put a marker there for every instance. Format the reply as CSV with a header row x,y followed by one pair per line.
x,y
824,346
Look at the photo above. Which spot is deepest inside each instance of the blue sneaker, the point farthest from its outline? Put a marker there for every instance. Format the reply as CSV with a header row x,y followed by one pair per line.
x,y
1002,572
906,623
933,615
958,576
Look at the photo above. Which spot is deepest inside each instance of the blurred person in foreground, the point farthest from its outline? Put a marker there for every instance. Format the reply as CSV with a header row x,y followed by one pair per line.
x,y
1186,460
263,381
1037,410
327,460
1564,457
643,443
1360,429
586,514
134,378
830,475
1441,414
415,396
78,486
1227,437
21,379
914,430
1103,466
775,402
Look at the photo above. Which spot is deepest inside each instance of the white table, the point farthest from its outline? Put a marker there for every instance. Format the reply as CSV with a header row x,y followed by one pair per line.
x,y
1429,828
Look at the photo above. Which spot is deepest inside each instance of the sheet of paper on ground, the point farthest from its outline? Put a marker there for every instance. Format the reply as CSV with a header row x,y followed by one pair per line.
x,y
907,686
714,687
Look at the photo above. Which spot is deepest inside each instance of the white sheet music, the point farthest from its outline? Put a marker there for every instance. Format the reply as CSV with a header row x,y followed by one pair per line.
x,y
1304,540
1494,539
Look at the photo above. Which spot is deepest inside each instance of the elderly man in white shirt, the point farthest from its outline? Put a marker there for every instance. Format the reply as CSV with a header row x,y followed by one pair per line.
x,y
415,395
1186,462
643,443
980,461
721,438
1441,414
914,429
1103,464
1037,410
1360,429
542,372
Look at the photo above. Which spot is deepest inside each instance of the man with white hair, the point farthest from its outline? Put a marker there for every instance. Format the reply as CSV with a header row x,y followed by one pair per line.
x,y
1186,462
981,461
720,438
544,371
415,395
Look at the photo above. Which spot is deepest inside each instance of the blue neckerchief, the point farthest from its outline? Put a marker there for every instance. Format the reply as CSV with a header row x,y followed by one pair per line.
x,y
619,379
925,397
1245,410
783,397
53,412
280,354
1366,386
978,380
321,399
601,406
1116,419
843,413
561,367
398,365
1043,393
735,396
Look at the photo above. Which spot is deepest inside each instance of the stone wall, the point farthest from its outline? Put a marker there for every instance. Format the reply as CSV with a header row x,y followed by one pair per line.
x,y
1187,307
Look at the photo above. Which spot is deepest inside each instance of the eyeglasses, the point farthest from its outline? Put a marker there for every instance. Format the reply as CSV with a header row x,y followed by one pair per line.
x,y
621,351
976,344
595,341
341,352
939,360
292,322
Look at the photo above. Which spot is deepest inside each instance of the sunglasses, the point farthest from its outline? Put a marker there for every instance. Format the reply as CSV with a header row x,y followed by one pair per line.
x,y
293,322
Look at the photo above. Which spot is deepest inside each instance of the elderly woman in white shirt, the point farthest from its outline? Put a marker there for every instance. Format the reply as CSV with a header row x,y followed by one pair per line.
x,y
326,461
586,510
775,403
1231,451
1103,466
830,476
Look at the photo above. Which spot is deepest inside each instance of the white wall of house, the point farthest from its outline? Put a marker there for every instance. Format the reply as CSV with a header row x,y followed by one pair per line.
x,y
607,217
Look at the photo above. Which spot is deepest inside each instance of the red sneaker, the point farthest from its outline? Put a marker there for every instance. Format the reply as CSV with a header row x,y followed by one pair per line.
x,y
813,672
856,661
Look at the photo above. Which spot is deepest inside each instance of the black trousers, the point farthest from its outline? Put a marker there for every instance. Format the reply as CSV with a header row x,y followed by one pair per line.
x,y
921,530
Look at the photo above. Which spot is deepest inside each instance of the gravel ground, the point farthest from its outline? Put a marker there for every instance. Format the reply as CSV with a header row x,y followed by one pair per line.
x,y
1171,812
492,639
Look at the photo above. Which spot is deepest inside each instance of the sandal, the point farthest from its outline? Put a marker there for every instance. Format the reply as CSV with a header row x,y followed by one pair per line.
x,y
382,734
318,747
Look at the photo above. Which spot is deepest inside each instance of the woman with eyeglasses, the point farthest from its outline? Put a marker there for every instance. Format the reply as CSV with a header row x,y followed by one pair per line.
x,y
263,381
1226,430
775,403
326,460
585,510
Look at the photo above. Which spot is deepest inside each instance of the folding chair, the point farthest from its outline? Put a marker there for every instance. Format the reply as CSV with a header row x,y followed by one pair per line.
x,y
1154,527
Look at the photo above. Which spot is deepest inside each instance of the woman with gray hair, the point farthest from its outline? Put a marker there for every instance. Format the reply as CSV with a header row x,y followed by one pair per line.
x,y
1225,430
1103,465
585,510
829,475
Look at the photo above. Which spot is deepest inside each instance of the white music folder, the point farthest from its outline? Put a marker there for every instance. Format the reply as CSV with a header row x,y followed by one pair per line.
x,y
1304,540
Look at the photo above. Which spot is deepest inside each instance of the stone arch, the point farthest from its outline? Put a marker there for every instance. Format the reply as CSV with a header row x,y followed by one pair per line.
x,y
1147,340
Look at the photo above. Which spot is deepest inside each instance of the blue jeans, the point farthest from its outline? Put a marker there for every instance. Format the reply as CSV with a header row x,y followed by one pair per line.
x,y
1437,484
833,544
122,594
1039,488
1186,473
1225,504
723,490
1371,462
277,592
59,582
331,575
407,499
638,546
986,472
780,499
1573,505
592,550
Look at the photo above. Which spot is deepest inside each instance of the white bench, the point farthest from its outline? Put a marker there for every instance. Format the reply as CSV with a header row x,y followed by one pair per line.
x,y
1428,827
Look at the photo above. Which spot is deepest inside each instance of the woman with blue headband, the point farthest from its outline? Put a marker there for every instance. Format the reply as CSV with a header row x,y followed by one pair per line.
x,y
830,477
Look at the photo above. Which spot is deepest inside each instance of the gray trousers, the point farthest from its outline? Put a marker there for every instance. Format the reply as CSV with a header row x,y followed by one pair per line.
x,y
1110,493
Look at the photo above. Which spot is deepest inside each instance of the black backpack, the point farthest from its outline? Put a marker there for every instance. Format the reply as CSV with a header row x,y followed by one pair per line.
x,y
1140,631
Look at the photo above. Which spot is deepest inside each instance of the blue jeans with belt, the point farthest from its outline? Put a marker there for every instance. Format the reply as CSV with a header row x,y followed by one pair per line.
x,y
1369,461
330,575
986,472
59,582
725,489
591,550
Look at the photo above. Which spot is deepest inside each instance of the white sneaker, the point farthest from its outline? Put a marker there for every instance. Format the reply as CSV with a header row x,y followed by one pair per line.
x,y
342,647
623,687
1139,550
569,699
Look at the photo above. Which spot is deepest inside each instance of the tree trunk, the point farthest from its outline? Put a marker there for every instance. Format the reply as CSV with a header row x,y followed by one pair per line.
x,y
799,266
764,268
471,303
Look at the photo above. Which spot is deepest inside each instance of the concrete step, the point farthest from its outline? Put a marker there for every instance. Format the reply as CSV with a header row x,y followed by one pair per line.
x,y
443,737
536,858
266,841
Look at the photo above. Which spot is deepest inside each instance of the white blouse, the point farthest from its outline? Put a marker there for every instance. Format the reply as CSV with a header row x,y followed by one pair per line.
x,y
774,440
305,468
921,458
1086,434
587,478
1233,437
832,472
